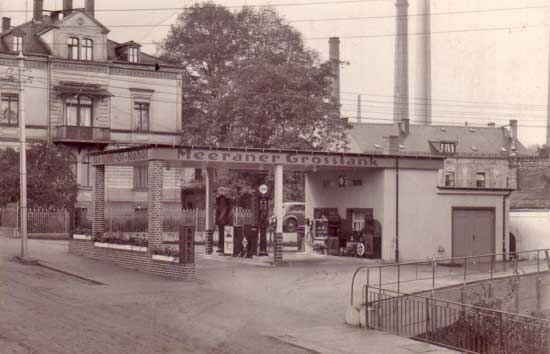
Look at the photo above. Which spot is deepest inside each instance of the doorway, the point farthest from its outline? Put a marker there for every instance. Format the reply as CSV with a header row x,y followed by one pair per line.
x,y
473,232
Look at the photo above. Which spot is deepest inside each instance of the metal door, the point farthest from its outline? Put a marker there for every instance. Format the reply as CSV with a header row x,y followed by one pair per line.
x,y
473,232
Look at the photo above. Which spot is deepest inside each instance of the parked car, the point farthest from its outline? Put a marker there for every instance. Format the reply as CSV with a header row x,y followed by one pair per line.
x,y
294,215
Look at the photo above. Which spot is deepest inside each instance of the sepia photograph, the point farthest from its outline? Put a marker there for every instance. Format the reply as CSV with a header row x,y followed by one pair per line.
x,y
274,176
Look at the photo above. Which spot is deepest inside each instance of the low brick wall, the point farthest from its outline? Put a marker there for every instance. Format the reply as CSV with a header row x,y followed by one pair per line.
x,y
140,261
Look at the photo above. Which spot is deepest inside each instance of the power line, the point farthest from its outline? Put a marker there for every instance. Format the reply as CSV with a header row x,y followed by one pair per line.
x,y
358,18
340,2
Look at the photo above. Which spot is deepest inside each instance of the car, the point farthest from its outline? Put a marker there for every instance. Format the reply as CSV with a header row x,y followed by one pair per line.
x,y
294,215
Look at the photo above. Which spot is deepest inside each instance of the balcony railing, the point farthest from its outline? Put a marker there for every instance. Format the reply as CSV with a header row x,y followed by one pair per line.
x,y
82,134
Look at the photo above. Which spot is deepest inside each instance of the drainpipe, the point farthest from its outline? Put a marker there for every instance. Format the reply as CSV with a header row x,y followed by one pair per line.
x,y
504,226
397,210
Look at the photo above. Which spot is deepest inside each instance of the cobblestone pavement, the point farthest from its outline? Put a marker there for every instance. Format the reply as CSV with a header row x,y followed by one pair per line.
x,y
231,308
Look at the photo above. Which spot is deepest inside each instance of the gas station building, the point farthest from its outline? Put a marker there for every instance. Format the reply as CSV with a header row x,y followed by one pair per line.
x,y
411,214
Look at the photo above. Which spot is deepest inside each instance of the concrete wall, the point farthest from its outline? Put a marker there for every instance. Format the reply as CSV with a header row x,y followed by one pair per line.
x,y
425,213
531,228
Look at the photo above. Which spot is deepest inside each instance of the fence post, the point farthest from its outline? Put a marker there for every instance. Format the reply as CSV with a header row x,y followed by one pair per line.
x,y
367,306
500,332
186,245
427,319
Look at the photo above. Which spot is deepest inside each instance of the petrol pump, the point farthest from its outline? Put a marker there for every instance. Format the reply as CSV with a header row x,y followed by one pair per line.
x,y
263,218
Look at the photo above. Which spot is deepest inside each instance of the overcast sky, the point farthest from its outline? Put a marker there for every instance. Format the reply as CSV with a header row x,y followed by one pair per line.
x,y
489,58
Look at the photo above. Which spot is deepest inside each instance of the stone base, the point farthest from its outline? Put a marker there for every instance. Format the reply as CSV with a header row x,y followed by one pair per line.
x,y
141,261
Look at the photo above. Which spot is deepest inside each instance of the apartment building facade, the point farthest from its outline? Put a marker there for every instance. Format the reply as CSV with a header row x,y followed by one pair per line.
x,y
90,93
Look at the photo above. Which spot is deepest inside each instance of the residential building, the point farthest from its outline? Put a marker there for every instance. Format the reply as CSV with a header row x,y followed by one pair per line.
x,y
476,157
90,93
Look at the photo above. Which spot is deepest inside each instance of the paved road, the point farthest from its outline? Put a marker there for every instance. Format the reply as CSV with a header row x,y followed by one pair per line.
x,y
232,308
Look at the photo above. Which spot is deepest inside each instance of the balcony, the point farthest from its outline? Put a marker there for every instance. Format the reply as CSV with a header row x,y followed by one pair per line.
x,y
82,135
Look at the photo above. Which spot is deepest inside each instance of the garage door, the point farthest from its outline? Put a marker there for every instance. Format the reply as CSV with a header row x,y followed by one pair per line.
x,y
473,232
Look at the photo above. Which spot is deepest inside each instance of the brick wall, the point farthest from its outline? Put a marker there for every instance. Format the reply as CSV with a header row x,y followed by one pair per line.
x,y
140,261
154,203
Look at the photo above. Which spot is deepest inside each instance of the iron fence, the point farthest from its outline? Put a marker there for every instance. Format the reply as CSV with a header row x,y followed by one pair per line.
x,y
458,326
442,271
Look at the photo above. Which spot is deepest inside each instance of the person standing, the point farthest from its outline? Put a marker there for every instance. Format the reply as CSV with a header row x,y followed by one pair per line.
x,y
224,215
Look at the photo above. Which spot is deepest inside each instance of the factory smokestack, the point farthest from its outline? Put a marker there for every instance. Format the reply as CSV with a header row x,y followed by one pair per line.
x,y
334,58
425,64
401,68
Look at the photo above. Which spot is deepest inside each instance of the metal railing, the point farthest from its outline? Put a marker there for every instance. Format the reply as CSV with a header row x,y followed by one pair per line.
x,y
454,325
483,266
82,133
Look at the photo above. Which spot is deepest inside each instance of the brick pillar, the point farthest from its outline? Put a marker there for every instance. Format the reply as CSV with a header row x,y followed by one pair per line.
x,y
98,211
278,248
155,171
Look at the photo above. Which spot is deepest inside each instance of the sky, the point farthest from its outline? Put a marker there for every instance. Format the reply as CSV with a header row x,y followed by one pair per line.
x,y
490,58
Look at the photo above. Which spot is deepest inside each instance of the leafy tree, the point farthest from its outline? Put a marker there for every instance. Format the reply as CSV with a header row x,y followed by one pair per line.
x,y
50,180
543,151
250,81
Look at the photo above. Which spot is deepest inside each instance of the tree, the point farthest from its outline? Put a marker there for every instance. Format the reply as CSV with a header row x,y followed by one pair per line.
x,y
543,151
50,180
249,81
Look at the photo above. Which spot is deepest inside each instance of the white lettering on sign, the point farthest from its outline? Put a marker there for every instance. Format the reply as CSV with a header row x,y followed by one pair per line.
x,y
275,158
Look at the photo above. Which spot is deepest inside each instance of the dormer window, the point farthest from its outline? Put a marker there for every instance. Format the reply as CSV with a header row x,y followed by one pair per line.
x,y
133,54
447,147
72,46
87,49
17,43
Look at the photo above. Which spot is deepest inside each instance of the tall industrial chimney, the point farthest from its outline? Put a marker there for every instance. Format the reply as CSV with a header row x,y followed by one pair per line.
x,y
401,68
425,64
548,102
334,58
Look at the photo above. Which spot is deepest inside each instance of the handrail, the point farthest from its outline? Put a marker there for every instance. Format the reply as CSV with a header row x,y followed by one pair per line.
x,y
544,320
434,260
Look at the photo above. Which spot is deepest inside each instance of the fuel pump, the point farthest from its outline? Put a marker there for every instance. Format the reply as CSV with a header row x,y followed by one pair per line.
x,y
263,216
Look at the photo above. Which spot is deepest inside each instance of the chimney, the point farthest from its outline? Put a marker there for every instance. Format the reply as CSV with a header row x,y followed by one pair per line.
x,y
67,7
90,7
6,23
54,16
401,67
514,129
37,10
334,58
391,144
404,126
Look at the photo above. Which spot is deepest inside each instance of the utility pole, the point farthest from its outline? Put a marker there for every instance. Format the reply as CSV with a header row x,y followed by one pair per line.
x,y
22,159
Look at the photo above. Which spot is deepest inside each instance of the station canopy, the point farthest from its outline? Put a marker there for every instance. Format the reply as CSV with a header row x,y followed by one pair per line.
x,y
260,159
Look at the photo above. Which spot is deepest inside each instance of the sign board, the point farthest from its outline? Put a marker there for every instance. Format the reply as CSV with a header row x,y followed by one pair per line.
x,y
228,240
120,157
272,158
263,189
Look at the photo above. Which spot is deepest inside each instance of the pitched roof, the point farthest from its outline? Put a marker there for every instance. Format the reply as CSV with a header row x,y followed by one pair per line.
x,y
32,43
367,137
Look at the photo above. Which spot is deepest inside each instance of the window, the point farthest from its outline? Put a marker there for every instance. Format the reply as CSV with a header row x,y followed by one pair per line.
x,y
140,177
133,54
198,174
10,110
72,44
87,49
480,179
447,148
358,220
79,111
85,171
141,114
449,179
17,43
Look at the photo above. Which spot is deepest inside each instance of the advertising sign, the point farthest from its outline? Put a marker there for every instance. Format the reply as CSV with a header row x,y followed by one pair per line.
x,y
228,240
